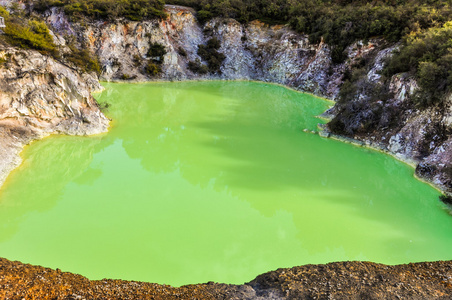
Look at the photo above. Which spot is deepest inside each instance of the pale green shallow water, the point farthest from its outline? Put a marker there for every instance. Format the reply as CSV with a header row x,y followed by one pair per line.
x,y
213,181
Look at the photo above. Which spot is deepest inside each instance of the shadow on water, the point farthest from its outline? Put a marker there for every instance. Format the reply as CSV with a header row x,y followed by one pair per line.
x,y
179,102
260,135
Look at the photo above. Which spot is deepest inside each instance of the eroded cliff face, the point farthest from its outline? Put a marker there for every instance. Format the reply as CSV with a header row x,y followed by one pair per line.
x,y
254,51
40,96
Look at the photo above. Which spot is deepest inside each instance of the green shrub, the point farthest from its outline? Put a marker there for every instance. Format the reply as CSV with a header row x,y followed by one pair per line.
x,y
156,52
197,67
152,69
204,15
43,5
337,126
4,13
135,10
32,35
83,59
428,56
29,33
210,54
104,106
361,103
2,61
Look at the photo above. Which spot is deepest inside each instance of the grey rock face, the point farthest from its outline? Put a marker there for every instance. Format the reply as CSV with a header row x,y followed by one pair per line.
x,y
254,51
39,96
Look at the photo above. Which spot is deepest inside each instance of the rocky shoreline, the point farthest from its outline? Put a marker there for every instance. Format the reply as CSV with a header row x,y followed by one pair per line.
x,y
340,280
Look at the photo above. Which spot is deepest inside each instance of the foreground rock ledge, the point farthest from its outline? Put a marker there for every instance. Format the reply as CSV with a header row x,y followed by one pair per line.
x,y
341,280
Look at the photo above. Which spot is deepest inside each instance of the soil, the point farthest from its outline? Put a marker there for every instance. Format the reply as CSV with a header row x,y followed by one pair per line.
x,y
340,280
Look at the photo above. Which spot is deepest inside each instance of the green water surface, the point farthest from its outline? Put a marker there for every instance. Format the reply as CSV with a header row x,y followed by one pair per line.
x,y
213,181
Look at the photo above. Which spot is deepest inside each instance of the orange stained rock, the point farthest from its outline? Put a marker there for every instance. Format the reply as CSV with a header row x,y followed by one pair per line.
x,y
91,38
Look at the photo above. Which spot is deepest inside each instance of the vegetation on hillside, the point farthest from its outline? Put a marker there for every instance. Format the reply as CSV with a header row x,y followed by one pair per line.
x,y
28,33
209,53
427,55
155,54
422,25
338,22
135,10
83,59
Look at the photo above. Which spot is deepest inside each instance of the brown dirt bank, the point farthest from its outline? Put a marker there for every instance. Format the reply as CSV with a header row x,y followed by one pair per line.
x,y
341,280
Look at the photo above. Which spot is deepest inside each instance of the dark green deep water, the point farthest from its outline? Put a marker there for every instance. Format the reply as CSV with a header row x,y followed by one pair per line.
x,y
213,181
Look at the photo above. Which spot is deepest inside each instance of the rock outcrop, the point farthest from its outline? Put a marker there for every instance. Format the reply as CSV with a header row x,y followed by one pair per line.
x,y
394,124
40,96
342,280
254,51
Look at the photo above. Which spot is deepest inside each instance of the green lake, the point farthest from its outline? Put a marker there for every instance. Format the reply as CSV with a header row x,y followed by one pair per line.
x,y
213,181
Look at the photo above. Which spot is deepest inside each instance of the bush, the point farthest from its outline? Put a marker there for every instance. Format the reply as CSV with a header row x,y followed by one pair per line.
x,y
83,59
210,54
156,52
135,10
33,34
152,69
428,56
361,103
2,61
3,12
336,126
137,60
104,106
204,15
197,67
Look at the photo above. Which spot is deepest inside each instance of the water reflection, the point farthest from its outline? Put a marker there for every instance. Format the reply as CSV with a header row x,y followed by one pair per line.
x,y
38,184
